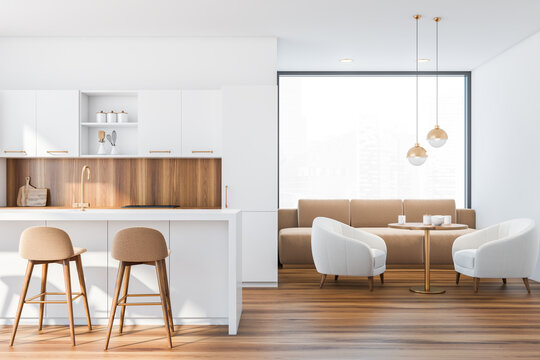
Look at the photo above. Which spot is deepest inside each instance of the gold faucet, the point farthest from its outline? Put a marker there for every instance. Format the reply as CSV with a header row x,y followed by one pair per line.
x,y
82,205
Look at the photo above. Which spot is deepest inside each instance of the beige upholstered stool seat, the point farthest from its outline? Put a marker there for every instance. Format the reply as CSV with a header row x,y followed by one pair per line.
x,y
140,246
43,246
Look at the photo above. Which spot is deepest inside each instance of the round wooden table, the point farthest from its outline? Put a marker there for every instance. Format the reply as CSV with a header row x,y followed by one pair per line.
x,y
427,288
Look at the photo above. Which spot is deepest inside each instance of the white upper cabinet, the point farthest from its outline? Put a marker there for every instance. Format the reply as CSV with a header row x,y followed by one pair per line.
x,y
160,123
17,123
201,123
57,123
249,161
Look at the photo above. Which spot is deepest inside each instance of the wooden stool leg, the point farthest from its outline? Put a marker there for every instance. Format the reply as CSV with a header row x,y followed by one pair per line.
x,y
114,304
382,278
504,281
167,293
27,276
476,283
82,284
458,275
44,270
69,300
370,283
124,293
162,295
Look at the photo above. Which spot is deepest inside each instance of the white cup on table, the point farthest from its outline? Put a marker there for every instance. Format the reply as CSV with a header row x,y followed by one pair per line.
x,y
401,219
447,219
427,220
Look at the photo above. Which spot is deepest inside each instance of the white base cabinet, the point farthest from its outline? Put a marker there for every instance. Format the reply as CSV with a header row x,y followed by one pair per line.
x,y
259,245
12,273
91,235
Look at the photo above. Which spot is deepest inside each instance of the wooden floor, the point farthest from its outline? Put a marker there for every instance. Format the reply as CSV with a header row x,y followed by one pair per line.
x,y
343,320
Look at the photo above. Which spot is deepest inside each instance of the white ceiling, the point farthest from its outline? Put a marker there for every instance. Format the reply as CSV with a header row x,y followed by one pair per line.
x,y
312,34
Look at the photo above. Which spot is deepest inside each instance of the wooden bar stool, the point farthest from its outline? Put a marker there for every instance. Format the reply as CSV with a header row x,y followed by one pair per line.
x,y
43,246
140,246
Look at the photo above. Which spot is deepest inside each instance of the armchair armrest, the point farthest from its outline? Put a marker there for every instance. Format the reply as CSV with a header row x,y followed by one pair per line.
x,y
476,239
371,240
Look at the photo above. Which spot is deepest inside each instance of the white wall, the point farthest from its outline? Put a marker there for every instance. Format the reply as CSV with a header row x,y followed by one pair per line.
x,y
136,63
506,136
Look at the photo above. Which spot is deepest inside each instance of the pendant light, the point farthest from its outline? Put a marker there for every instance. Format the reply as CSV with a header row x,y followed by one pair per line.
x,y
417,155
437,137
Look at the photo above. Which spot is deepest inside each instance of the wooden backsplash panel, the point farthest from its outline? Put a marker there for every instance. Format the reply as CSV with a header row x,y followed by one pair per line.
x,y
194,183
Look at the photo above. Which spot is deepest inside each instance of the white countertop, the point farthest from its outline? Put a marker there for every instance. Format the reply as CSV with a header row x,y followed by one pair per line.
x,y
51,214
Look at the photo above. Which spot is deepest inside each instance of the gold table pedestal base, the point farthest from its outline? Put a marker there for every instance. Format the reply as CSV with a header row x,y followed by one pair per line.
x,y
432,290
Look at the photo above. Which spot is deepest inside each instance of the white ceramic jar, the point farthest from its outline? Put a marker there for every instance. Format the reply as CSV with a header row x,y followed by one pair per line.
x,y
101,117
111,117
122,117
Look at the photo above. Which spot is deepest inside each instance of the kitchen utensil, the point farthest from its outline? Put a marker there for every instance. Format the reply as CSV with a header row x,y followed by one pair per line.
x,y
114,137
111,117
122,117
110,139
101,117
101,145
30,196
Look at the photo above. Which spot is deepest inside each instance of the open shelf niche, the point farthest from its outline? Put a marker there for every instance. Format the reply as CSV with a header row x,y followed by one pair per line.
x,y
92,102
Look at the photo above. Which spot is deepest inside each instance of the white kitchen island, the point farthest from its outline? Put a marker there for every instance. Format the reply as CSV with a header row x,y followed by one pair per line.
x,y
205,266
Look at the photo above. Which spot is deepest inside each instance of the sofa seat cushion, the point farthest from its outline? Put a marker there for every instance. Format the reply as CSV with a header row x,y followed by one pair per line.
x,y
441,245
309,209
295,246
403,246
465,258
379,258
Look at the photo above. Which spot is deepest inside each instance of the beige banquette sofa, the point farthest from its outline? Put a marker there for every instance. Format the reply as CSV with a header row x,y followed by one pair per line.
x,y
405,247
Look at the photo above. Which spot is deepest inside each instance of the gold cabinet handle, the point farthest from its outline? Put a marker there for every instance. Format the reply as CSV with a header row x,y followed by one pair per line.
x,y
202,151
57,151
226,190
15,152
160,151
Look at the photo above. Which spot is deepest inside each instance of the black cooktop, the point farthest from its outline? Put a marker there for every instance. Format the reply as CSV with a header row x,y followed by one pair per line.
x,y
150,206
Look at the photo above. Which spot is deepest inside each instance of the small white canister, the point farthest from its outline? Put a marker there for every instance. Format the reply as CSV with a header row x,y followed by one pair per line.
x,y
101,117
427,220
111,117
122,117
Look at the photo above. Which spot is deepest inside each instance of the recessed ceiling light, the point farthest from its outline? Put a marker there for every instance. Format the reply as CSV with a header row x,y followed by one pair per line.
x,y
423,60
346,60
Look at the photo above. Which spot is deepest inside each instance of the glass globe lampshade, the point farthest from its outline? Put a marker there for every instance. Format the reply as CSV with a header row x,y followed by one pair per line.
x,y
437,137
417,155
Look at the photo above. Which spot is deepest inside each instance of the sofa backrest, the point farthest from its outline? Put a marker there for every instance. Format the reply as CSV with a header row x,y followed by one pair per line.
x,y
375,213
334,209
414,210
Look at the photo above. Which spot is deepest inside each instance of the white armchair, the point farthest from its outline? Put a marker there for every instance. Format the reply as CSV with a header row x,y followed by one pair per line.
x,y
339,249
505,250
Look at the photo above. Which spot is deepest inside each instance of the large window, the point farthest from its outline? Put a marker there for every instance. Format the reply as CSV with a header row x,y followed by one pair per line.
x,y
347,137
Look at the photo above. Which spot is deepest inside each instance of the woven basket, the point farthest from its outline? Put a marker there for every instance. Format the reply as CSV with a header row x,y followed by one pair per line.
x,y
30,196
